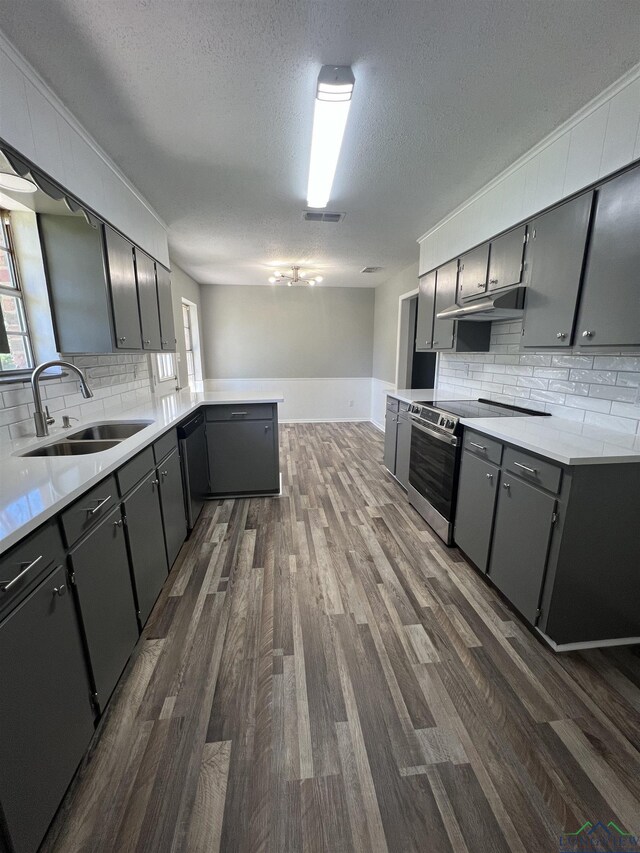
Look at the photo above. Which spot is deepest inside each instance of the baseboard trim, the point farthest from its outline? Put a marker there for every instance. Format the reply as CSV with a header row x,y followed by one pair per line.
x,y
324,420
377,425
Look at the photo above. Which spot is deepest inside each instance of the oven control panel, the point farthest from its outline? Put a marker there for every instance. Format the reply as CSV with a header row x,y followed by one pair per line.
x,y
435,417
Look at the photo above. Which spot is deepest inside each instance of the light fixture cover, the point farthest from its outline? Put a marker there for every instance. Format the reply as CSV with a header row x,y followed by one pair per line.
x,y
333,99
16,184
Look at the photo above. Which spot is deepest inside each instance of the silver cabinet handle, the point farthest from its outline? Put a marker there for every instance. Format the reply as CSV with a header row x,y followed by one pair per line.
x,y
479,446
122,339
5,586
587,334
561,336
59,590
435,343
506,485
489,476
118,523
481,284
164,473
147,342
525,468
267,428
493,281
239,414
94,510
155,482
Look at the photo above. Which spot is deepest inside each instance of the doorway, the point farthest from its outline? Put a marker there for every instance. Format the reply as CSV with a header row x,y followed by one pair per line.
x,y
413,369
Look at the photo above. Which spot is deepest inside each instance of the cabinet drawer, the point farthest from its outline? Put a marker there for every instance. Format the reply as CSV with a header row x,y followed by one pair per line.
x,y
241,412
483,446
404,407
87,510
135,470
164,445
392,404
25,563
532,469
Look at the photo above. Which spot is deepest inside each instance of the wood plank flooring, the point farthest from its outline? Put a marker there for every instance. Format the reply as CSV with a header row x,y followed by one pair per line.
x,y
322,674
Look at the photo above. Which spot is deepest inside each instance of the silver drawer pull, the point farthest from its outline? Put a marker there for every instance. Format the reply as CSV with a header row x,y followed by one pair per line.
x,y
506,486
59,590
525,468
479,446
94,510
489,476
5,586
239,414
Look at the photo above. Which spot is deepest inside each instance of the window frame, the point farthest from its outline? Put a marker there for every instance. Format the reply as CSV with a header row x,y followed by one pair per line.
x,y
16,291
190,355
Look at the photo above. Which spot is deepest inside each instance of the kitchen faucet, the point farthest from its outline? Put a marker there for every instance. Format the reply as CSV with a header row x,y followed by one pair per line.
x,y
42,418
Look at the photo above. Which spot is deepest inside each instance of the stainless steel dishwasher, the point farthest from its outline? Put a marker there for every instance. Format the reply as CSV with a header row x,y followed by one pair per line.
x,y
195,465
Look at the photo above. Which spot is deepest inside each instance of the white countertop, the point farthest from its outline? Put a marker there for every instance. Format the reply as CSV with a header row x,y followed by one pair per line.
x,y
35,488
428,395
566,441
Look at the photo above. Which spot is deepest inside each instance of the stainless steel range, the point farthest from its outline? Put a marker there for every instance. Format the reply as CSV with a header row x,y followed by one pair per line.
x,y
436,448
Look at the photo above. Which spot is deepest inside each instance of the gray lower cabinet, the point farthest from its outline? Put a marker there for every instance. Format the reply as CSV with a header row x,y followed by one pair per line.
x,y
477,490
172,503
403,449
46,717
243,457
390,439
610,305
555,258
102,582
145,538
523,527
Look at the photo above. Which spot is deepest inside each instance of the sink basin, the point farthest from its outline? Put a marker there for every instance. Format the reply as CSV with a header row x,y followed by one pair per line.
x,y
110,430
72,448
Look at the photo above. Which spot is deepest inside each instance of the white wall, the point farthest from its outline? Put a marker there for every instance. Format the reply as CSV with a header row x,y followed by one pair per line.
x,y
602,138
35,122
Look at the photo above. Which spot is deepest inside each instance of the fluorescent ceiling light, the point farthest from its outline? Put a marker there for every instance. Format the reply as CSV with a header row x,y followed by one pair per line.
x,y
333,99
16,184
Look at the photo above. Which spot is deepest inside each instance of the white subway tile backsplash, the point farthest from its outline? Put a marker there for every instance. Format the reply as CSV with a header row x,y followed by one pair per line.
x,y
602,390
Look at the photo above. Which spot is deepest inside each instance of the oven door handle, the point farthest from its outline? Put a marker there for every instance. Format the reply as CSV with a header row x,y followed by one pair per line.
x,y
451,440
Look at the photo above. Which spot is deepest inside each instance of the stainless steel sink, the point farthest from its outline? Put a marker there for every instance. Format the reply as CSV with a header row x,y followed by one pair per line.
x,y
72,448
109,430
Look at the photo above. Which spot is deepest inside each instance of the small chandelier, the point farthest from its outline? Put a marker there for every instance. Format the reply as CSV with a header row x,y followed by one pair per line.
x,y
296,277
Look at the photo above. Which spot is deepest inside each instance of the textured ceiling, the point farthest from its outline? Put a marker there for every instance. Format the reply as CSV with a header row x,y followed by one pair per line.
x,y
207,107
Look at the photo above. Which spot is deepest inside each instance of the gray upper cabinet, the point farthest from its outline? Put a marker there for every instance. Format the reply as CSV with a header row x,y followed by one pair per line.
x,y
609,313
506,259
426,306
146,543
124,293
46,718
473,273
555,258
446,289
172,501
165,305
477,490
523,526
103,585
148,301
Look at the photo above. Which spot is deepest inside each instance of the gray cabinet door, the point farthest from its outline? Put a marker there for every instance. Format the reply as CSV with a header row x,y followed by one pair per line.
x,y
446,289
610,306
46,718
524,521
477,490
472,276
165,304
390,437
105,595
124,293
172,501
146,543
243,457
403,449
555,257
505,262
426,306
148,301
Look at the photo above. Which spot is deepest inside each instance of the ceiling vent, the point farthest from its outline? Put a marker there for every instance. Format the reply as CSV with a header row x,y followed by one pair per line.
x,y
371,269
322,216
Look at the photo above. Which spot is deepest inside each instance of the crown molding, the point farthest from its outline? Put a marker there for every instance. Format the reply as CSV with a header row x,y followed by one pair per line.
x,y
590,107
47,92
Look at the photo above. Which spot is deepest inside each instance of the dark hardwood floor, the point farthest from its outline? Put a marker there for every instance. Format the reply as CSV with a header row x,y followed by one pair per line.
x,y
322,674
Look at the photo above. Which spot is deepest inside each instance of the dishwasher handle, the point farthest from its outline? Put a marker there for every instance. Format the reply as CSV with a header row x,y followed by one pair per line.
x,y
187,428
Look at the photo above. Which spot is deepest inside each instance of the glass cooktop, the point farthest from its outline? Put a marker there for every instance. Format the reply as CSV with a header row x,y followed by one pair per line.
x,y
481,408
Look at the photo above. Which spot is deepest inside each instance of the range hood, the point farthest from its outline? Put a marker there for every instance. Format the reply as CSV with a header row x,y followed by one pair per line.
x,y
502,306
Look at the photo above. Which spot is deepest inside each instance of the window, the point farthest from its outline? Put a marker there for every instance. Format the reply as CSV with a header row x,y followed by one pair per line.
x,y
165,366
20,356
188,343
